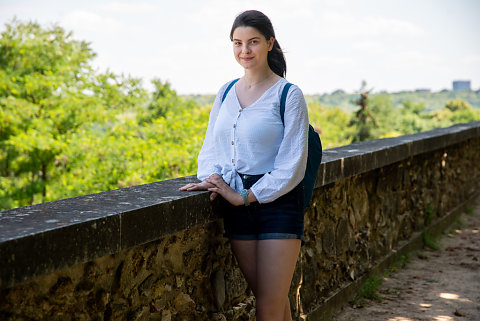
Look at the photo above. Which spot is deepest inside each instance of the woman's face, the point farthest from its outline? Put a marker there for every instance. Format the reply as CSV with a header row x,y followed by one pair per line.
x,y
251,48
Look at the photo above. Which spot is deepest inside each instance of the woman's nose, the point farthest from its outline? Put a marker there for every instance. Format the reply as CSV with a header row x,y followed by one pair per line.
x,y
245,49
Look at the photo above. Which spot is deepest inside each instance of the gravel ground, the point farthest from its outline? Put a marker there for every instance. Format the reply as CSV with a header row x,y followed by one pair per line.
x,y
440,285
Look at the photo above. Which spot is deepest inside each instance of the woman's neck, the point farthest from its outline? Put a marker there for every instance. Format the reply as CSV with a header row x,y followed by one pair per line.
x,y
253,79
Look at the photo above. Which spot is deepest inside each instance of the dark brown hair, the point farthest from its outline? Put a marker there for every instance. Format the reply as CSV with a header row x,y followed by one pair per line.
x,y
259,21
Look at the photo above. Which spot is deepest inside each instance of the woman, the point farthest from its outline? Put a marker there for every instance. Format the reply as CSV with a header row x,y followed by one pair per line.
x,y
256,162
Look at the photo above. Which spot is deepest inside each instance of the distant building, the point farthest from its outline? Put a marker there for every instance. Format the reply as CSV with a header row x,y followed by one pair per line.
x,y
461,85
422,90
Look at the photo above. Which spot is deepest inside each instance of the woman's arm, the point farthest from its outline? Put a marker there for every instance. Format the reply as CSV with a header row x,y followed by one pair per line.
x,y
222,188
291,160
207,160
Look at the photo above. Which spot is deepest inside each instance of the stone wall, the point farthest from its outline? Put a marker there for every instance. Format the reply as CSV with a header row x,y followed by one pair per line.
x,y
369,196
359,220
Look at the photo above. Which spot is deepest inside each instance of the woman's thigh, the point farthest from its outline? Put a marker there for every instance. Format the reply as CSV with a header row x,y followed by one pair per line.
x,y
276,261
272,261
245,252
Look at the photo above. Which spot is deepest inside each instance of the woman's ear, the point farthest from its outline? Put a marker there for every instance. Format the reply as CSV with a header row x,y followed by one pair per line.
x,y
271,41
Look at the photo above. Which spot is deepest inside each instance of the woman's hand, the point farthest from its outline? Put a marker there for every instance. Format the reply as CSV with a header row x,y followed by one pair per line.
x,y
203,186
220,187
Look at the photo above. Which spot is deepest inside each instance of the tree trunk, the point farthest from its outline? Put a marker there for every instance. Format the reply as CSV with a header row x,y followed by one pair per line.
x,y
44,182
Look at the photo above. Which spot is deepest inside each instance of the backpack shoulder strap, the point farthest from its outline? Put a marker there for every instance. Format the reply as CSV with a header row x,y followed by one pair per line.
x,y
230,85
283,100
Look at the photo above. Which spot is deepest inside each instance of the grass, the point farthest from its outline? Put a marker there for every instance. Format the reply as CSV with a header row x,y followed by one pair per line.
x,y
428,215
469,210
369,290
402,262
430,242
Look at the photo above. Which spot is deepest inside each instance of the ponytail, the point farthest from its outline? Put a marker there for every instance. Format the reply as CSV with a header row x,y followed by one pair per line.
x,y
276,60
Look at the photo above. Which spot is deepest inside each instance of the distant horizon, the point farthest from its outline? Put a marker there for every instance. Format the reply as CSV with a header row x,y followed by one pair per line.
x,y
328,44
358,91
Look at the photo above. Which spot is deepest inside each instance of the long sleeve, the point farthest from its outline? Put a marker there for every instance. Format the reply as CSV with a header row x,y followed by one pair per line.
x,y
208,162
290,162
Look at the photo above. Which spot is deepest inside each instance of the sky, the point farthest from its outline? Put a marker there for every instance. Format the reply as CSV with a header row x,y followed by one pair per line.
x,y
328,44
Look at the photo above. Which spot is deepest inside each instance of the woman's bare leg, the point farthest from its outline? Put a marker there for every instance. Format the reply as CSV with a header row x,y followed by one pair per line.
x,y
287,315
268,267
246,254
276,260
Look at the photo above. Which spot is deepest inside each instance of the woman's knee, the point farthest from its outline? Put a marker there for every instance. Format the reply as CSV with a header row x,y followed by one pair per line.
x,y
268,314
270,308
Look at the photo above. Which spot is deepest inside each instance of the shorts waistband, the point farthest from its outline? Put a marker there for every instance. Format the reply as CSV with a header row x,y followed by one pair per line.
x,y
247,176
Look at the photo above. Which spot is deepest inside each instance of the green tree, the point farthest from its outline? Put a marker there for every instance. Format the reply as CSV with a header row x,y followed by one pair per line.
x,y
459,111
67,130
386,116
364,121
331,123
48,92
38,69
163,100
414,118
409,107
457,105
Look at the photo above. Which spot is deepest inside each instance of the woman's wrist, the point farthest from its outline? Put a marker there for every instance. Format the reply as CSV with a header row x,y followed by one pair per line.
x,y
250,198
244,193
238,200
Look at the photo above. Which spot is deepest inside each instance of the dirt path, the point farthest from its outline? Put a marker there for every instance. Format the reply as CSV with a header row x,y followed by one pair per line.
x,y
439,285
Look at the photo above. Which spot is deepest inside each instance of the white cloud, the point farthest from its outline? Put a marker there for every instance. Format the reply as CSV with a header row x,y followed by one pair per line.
x,y
345,24
129,8
369,46
471,59
380,26
329,44
92,22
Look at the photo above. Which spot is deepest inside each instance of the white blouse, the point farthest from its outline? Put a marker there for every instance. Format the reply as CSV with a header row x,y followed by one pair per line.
x,y
253,140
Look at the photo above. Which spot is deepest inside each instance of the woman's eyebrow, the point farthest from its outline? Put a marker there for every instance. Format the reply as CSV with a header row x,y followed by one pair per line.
x,y
248,39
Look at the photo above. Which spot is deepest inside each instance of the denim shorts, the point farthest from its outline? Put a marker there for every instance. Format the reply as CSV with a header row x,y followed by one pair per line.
x,y
280,219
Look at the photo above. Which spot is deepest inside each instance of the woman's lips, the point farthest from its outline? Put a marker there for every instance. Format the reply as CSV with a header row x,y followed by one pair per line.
x,y
247,58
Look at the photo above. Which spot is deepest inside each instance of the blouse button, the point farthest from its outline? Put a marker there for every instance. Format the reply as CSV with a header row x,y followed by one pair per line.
x,y
234,125
232,142
233,160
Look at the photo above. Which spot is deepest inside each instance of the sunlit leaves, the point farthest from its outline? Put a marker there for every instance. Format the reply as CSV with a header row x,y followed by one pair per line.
x,y
68,130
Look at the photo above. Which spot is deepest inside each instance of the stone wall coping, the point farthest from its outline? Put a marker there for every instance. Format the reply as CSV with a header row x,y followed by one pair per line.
x,y
41,239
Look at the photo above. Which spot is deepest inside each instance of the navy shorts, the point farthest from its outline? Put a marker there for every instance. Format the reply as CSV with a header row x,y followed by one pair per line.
x,y
280,219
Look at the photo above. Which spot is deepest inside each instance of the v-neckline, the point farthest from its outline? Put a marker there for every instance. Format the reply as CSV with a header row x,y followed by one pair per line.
x,y
256,101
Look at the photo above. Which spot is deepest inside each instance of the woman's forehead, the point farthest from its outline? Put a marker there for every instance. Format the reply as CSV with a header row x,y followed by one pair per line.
x,y
246,33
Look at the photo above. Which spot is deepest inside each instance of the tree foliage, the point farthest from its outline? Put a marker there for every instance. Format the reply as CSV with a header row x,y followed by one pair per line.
x,y
67,129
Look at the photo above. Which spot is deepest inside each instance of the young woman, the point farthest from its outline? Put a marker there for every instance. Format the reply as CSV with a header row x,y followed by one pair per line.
x,y
256,163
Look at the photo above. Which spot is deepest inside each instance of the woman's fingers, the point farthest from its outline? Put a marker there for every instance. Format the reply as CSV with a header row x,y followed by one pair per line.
x,y
191,187
216,180
184,188
213,196
212,184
